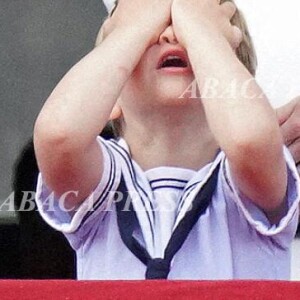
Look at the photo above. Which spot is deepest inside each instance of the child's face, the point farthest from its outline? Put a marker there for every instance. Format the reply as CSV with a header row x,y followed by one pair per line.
x,y
161,76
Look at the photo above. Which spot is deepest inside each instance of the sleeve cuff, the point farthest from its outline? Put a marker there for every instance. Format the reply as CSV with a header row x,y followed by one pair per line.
x,y
254,215
51,209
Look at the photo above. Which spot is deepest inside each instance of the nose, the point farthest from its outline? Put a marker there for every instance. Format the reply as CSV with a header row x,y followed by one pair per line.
x,y
168,36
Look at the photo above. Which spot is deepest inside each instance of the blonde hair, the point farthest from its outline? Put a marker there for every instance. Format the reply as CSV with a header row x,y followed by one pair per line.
x,y
245,53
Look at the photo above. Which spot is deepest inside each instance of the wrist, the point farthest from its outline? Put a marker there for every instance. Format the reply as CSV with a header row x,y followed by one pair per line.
x,y
211,55
203,35
135,33
207,45
132,39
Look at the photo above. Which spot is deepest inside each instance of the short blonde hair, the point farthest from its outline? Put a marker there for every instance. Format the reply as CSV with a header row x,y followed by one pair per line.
x,y
245,53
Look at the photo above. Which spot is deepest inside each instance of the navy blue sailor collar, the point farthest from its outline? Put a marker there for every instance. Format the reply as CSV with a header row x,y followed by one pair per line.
x,y
142,204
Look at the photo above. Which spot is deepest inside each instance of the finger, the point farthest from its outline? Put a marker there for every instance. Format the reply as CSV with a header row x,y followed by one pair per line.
x,y
237,37
229,9
106,28
294,148
113,10
116,112
290,131
284,112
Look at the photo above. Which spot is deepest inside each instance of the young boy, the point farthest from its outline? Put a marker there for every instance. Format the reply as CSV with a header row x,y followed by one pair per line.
x,y
183,209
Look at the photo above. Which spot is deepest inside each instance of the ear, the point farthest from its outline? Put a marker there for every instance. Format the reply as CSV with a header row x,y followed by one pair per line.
x,y
116,112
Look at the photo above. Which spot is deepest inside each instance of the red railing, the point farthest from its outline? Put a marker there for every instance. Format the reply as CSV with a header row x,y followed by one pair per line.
x,y
154,290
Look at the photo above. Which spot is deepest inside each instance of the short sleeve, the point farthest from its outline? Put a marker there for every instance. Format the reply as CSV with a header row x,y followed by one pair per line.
x,y
77,223
283,232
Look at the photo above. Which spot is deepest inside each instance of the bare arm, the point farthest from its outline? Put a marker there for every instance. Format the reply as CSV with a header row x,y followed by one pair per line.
x,y
245,127
79,107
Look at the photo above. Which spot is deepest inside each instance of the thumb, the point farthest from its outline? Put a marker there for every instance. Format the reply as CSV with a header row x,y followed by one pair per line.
x,y
284,112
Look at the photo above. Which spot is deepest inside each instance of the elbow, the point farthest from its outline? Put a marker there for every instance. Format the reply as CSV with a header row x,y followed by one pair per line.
x,y
260,144
51,135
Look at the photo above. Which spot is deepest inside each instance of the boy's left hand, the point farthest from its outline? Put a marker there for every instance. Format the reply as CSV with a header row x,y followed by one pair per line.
x,y
208,17
289,121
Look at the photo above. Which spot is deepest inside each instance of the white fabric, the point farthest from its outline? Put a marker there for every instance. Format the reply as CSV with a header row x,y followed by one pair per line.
x,y
274,27
232,240
109,4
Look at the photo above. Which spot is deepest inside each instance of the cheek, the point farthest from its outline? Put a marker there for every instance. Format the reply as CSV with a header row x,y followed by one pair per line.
x,y
133,89
141,78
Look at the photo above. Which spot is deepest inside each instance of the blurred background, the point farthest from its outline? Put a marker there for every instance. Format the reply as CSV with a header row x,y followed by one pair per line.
x,y
41,39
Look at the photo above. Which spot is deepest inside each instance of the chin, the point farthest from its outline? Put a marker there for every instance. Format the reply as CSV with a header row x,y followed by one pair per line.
x,y
175,90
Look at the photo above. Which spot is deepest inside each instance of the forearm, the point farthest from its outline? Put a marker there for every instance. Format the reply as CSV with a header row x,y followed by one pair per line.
x,y
245,127
236,109
65,132
81,103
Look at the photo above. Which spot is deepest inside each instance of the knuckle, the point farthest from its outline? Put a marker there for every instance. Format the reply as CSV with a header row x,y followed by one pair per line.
x,y
229,8
237,36
295,128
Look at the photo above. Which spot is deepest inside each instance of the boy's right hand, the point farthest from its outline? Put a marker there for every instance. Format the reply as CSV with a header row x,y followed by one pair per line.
x,y
289,120
148,17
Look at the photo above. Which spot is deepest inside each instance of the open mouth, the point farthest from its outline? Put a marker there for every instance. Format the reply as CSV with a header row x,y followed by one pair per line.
x,y
173,61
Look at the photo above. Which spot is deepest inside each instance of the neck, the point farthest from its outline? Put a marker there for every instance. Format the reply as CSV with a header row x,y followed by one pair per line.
x,y
176,136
